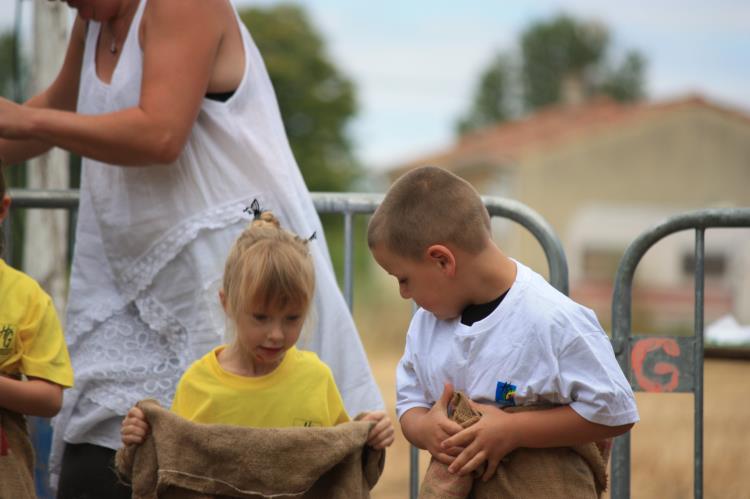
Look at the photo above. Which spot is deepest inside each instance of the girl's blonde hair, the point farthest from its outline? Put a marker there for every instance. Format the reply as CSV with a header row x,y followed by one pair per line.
x,y
268,267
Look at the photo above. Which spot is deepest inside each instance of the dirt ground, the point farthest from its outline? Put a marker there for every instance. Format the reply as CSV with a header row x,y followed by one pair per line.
x,y
662,442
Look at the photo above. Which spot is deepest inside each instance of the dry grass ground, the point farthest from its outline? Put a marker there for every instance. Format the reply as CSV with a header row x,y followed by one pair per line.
x,y
662,452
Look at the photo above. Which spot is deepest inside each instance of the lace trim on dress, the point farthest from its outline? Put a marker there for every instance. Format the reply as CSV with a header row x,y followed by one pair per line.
x,y
124,360
142,273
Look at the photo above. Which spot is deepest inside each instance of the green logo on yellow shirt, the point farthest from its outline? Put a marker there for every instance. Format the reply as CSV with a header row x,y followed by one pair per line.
x,y
305,422
6,339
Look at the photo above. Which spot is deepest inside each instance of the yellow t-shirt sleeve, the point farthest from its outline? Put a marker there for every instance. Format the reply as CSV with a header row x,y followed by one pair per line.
x,y
335,403
181,403
45,354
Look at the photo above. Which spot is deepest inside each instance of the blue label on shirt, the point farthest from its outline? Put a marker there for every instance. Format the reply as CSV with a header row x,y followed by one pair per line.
x,y
505,393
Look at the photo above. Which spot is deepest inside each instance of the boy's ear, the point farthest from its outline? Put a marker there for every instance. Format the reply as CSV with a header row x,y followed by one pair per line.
x,y
443,257
4,207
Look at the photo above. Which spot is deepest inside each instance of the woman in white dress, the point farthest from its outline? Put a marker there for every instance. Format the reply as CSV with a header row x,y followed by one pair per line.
x,y
170,105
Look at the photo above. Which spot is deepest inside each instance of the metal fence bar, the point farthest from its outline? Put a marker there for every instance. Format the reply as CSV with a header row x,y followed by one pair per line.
x,y
348,260
541,230
681,352
7,248
348,205
700,253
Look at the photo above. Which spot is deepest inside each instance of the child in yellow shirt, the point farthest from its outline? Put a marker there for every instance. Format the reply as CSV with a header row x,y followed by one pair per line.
x,y
261,379
34,369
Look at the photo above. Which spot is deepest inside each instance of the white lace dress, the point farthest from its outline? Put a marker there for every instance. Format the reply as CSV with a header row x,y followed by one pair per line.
x,y
151,244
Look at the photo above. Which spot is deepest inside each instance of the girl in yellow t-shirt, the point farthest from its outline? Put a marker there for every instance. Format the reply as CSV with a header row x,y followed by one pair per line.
x,y
34,369
261,379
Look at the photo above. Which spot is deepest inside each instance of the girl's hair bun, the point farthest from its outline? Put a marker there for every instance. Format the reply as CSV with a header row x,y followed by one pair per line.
x,y
266,219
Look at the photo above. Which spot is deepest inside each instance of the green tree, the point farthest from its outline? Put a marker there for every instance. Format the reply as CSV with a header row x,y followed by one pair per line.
x,y
10,85
7,58
553,53
317,101
492,103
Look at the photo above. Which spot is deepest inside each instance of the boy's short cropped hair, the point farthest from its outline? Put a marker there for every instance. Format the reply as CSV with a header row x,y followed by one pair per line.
x,y
427,206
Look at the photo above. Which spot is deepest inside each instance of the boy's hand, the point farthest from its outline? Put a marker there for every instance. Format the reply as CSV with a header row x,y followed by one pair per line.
x,y
381,435
434,427
489,439
134,427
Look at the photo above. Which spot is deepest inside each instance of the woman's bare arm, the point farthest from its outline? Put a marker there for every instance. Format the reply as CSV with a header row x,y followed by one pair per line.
x,y
180,40
62,94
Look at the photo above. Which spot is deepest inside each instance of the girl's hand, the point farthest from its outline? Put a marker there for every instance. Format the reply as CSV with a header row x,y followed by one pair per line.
x,y
381,435
134,427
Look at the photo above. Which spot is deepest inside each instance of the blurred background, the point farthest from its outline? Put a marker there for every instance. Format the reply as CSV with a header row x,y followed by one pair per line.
x,y
606,118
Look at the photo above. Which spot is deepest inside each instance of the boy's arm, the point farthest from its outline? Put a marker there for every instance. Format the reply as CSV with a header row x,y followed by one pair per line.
x,y
498,433
32,397
428,428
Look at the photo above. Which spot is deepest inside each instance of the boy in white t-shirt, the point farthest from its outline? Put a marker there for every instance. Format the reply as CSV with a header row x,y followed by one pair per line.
x,y
491,328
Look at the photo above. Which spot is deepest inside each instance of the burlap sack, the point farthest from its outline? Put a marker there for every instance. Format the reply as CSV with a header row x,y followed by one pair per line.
x,y
565,472
181,459
16,457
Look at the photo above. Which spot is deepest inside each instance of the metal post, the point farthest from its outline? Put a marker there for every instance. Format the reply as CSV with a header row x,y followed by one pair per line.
x,y
698,325
348,260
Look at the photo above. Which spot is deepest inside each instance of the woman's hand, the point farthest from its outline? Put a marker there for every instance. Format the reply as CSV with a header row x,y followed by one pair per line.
x,y
381,435
134,427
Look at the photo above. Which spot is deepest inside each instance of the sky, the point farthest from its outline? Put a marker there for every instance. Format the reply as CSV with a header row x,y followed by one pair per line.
x,y
416,63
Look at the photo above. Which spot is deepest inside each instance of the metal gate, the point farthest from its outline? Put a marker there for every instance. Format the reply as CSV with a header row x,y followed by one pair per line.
x,y
680,357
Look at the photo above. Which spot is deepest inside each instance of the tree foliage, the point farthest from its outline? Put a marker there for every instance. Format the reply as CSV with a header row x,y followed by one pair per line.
x,y
492,102
7,64
317,101
553,53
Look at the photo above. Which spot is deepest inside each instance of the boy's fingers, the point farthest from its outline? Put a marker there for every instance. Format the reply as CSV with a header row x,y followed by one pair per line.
x,y
449,427
472,464
446,396
454,451
444,458
462,438
491,469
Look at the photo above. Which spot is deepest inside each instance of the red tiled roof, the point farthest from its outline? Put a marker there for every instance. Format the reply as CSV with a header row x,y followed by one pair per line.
x,y
553,126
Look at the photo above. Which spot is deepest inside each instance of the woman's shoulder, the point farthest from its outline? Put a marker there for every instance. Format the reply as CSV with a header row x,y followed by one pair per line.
x,y
190,10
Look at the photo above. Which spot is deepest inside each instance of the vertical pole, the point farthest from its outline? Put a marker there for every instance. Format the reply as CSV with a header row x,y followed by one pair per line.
x,y
7,247
348,261
698,325
413,472
413,456
45,241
